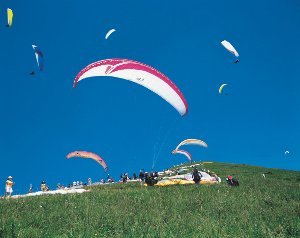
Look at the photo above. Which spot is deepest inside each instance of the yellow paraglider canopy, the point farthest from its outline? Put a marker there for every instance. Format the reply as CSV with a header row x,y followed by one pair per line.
x,y
10,16
180,182
221,87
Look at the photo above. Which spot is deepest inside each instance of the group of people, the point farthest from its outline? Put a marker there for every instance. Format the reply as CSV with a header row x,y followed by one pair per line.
x,y
149,178
125,177
44,187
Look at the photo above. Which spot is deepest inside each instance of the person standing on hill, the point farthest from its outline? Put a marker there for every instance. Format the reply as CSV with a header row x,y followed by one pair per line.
x,y
229,180
43,186
124,178
196,177
30,189
142,175
8,186
89,182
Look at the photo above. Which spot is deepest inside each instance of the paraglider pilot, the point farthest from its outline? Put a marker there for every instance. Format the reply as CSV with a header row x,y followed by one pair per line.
x,y
232,181
8,186
44,187
196,177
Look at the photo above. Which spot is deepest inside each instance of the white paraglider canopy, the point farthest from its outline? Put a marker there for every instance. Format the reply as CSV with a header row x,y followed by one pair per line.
x,y
228,46
109,33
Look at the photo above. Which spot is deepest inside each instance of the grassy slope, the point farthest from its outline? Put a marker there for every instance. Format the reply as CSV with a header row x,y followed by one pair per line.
x,y
258,208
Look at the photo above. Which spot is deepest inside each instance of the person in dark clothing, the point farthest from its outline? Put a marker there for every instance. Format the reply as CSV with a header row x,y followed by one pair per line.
x,y
134,176
229,180
196,177
232,181
150,180
235,182
142,175
124,178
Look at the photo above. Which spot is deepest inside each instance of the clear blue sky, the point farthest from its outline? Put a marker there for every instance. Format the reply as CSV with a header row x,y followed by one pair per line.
x,y
43,118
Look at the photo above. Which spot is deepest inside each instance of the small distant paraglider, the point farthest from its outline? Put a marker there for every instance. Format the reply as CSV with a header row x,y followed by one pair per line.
x,y
10,16
39,57
228,46
109,33
286,152
221,88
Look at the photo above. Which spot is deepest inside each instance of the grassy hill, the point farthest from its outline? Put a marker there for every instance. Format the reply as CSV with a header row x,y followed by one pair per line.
x,y
258,208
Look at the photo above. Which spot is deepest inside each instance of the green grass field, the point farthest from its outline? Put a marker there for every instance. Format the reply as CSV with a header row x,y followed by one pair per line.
x,y
257,208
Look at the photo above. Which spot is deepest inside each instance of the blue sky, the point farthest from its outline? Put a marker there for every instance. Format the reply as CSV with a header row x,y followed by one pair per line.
x,y
43,118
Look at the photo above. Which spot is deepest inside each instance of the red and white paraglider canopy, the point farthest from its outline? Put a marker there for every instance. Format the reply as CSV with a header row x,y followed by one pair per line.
x,y
183,152
139,73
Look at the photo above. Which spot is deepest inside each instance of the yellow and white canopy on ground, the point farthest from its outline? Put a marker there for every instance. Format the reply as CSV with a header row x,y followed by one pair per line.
x,y
164,183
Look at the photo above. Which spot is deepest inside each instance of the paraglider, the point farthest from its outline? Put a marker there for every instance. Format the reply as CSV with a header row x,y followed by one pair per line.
x,y
39,57
109,33
286,152
88,155
138,73
192,142
228,46
183,152
10,16
221,87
